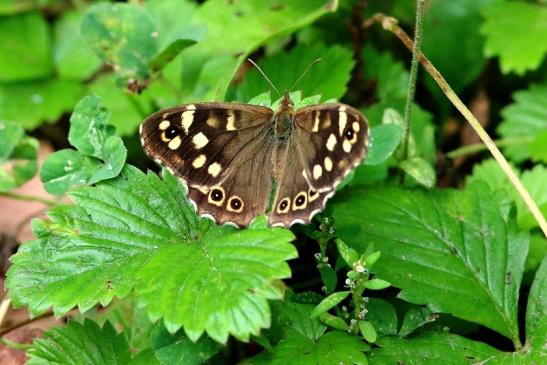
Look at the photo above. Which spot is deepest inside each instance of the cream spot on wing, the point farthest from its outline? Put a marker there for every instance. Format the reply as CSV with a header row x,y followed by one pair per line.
x,y
164,124
174,143
188,117
346,146
199,161
316,123
230,123
214,169
200,140
328,164
317,171
331,142
342,119
356,126
212,122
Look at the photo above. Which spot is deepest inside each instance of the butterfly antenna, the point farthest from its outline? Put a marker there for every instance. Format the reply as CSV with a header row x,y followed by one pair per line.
x,y
264,75
305,72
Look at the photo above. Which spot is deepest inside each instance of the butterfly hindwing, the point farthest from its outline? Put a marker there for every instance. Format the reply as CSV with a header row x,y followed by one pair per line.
x,y
242,195
295,200
200,142
332,141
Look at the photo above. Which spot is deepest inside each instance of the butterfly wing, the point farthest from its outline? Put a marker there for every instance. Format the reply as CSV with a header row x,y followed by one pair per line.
x,y
332,141
216,149
295,200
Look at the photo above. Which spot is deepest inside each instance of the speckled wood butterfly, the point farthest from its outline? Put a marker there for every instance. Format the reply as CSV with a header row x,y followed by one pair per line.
x,y
230,154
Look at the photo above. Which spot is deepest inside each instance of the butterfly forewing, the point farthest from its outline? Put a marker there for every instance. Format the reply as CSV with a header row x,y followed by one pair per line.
x,y
220,151
332,140
200,142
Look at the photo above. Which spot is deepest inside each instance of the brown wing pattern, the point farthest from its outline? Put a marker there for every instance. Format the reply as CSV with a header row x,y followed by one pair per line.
x,y
221,151
295,200
332,141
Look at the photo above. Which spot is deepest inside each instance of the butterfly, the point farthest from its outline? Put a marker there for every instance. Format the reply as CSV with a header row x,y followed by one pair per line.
x,y
230,156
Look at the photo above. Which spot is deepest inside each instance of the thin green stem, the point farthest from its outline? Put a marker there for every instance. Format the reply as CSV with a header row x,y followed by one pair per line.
x,y
413,76
390,24
30,198
478,147
15,345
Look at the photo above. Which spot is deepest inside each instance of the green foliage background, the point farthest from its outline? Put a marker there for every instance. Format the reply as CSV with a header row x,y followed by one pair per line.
x,y
430,257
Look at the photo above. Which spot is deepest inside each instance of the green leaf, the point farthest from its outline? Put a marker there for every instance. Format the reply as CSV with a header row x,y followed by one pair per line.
x,y
328,277
89,126
76,344
163,58
210,65
178,349
422,141
65,169
538,152
441,245
328,77
451,32
390,75
334,347
525,118
328,303
25,47
333,321
533,180
415,317
32,103
232,267
145,357
290,315
377,284
431,348
94,139
139,232
384,139
17,156
515,31
420,170
123,35
72,56
382,315
127,110
367,331
536,311
349,255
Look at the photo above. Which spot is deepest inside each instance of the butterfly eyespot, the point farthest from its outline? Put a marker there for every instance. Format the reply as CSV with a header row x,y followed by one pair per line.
x,y
300,201
235,204
216,196
283,206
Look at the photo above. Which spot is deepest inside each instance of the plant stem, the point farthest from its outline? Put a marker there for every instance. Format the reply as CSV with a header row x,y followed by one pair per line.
x,y
15,345
413,76
477,147
390,24
30,198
